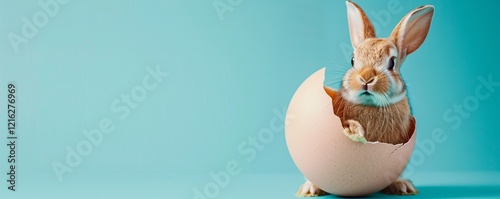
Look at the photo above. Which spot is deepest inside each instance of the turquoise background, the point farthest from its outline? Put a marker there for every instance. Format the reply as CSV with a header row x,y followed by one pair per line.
x,y
228,79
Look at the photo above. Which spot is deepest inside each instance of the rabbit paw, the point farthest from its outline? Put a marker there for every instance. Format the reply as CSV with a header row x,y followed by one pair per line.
x,y
308,189
401,187
355,131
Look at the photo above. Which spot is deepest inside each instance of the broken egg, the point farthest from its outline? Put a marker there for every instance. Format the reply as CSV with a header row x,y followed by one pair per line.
x,y
327,157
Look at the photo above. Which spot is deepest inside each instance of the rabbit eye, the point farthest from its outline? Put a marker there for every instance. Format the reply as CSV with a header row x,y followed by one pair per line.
x,y
391,63
352,61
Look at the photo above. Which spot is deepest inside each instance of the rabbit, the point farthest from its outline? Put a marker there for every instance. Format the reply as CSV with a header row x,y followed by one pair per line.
x,y
372,102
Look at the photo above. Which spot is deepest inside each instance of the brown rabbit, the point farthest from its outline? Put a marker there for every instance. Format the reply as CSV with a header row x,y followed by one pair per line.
x,y
373,94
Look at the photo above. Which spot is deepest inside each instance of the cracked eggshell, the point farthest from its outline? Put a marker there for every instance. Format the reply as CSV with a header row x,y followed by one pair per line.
x,y
328,158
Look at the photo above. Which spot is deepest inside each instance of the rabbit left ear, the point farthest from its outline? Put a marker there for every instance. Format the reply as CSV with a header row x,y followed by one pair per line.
x,y
360,27
411,31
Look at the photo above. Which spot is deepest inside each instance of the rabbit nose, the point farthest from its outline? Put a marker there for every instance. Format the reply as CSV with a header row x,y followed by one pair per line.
x,y
368,83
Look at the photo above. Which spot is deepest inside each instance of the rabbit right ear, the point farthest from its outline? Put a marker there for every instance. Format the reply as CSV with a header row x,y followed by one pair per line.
x,y
411,31
360,26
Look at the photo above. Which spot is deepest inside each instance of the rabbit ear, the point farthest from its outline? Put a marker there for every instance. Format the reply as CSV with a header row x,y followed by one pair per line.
x,y
411,31
360,26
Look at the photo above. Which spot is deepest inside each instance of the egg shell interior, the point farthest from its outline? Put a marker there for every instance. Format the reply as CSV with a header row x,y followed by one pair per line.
x,y
327,157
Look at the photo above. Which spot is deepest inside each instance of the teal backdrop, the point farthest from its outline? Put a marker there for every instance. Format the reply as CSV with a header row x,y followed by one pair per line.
x,y
180,90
